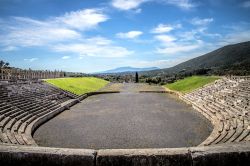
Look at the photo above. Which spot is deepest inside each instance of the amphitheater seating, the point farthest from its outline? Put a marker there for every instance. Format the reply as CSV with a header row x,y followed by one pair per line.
x,y
21,103
226,104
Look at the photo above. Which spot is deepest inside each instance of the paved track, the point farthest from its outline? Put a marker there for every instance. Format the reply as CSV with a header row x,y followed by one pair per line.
x,y
126,120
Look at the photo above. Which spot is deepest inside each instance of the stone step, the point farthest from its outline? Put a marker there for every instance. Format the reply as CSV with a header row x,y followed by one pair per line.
x,y
19,138
4,122
9,125
4,137
243,135
231,132
238,132
5,110
18,114
27,140
11,137
2,117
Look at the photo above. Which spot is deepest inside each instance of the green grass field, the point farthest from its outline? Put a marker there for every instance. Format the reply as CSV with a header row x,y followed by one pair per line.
x,y
191,83
79,85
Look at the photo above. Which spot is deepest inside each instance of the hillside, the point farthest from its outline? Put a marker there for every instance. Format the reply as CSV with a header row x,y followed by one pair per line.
x,y
79,85
126,70
234,59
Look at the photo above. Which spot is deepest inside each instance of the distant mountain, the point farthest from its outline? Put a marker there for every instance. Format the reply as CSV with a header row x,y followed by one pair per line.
x,y
126,70
226,60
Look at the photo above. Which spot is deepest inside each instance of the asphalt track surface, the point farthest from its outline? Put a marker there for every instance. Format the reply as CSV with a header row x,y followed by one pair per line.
x,y
126,120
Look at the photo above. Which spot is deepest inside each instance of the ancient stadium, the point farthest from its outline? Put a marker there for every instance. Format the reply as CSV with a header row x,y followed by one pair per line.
x,y
124,82
29,101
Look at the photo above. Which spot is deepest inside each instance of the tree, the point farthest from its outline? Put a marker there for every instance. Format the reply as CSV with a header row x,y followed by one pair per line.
x,y
136,78
3,64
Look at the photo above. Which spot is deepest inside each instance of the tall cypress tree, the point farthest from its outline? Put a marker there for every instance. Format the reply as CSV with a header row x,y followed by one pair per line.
x,y
136,78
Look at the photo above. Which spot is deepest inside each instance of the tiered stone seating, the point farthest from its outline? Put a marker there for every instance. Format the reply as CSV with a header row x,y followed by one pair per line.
x,y
226,104
23,103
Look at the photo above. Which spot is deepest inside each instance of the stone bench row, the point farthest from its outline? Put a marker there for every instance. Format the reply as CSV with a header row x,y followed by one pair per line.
x,y
18,121
18,112
227,110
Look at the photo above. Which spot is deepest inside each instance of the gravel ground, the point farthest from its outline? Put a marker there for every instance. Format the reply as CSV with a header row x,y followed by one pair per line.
x,y
126,120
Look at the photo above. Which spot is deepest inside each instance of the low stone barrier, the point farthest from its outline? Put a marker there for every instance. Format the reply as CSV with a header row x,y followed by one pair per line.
x,y
101,92
38,122
154,91
223,155
45,156
143,157
82,97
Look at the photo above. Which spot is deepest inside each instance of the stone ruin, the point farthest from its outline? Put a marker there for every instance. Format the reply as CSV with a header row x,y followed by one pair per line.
x,y
25,105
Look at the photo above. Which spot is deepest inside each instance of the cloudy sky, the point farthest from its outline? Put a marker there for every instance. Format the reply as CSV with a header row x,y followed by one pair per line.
x,y
97,35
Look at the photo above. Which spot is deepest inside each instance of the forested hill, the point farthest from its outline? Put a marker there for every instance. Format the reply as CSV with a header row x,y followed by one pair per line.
x,y
231,59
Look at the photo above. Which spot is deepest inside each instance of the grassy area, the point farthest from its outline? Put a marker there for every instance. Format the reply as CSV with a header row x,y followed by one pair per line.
x,y
191,83
79,85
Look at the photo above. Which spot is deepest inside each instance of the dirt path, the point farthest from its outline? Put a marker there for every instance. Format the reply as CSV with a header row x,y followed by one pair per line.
x,y
126,120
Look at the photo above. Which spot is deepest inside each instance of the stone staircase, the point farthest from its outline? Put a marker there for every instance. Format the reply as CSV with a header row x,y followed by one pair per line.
x,y
22,105
226,104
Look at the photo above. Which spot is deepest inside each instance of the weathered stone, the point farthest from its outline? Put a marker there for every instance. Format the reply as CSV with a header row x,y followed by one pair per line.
x,y
40,156
223,155
143,157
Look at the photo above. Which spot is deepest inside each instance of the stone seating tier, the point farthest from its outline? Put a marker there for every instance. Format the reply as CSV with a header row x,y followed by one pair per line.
x,y
23,103
226,104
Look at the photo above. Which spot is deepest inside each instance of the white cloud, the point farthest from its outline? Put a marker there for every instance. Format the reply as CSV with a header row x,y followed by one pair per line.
x,y
164,28
161,63
154,63
235,33
82,19
31,59
174,45
93,50
183,4
66,57
201,22
62,34
96,47
127,4
245,4
129,35
133,4
35,35
9,48
138,10
26,32
166,39
177,48
235,37
99,41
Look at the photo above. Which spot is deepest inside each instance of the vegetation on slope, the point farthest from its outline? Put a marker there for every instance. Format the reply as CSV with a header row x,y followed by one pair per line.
x,y
191,83
79,85
231,59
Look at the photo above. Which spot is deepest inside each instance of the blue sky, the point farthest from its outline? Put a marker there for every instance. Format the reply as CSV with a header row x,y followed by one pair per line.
x,y
97,35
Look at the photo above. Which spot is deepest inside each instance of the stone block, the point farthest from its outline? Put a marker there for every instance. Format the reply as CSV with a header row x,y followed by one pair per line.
x,y
41,156
143,157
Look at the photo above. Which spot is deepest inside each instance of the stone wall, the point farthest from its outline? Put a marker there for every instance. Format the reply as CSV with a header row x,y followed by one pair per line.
x,y
223,155
44,156
17,74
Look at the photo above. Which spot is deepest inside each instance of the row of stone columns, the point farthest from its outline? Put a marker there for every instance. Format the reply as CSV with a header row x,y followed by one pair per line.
x,y
10,73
